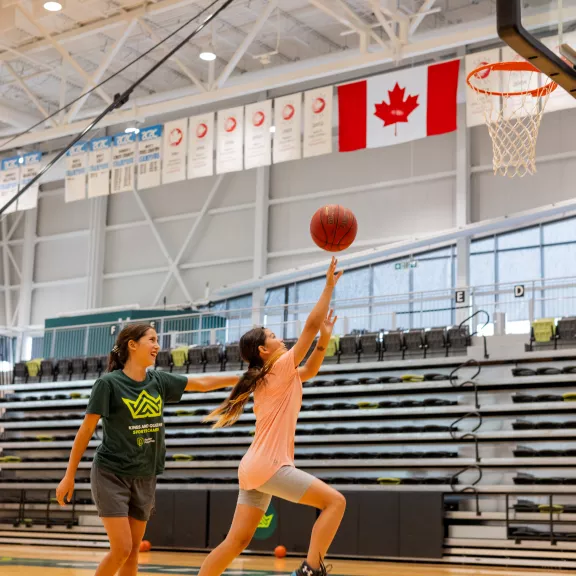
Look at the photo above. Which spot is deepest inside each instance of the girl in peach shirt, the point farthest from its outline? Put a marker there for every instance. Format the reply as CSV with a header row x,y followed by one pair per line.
x,y
267,469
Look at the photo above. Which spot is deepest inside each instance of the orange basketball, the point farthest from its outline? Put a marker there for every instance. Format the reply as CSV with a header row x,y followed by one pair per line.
x,y
280,552
333,228
145,546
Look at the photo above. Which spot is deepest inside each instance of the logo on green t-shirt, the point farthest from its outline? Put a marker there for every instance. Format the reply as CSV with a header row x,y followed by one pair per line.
x,y
268,524
145,406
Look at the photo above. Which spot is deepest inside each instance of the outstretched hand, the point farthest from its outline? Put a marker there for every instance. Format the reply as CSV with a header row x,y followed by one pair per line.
x,y
332,276
328,324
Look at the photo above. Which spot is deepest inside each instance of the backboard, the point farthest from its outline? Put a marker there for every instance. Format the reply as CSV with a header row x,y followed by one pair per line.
x,y
511,30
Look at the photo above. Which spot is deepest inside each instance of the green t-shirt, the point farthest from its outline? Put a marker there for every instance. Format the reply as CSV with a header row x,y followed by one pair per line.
x,y
133,427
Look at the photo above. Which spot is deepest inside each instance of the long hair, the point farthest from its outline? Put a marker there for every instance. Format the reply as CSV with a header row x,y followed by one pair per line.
x,y
120,353
233,407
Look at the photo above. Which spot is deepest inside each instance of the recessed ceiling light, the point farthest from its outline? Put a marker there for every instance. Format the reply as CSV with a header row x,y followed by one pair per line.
x,y
21,160
132,130
52,6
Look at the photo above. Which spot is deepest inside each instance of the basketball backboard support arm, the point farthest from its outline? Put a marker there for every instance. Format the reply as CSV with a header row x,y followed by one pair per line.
x,y
511,31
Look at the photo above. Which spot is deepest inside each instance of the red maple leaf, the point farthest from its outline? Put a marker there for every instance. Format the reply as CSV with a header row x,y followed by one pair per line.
x,y
398,110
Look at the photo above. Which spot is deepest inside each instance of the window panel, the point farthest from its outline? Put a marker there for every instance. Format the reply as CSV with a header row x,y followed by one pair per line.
x,y
563,231
520,239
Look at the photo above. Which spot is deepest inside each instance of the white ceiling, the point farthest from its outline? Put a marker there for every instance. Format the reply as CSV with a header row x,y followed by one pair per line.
x,y
46,59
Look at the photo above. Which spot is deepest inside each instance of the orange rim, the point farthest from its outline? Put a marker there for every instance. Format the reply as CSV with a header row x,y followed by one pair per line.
x,y
510,67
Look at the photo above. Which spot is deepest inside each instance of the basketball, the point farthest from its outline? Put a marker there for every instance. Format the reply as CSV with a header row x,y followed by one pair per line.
x,y
280,552
145,546
333,228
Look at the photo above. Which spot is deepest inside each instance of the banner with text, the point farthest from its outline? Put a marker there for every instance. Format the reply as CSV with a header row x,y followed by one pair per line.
x,y
230,140
149,156
99,162
31,166
288,128
123,160
257,137
174,151
318,122
76,171
9,182
201,148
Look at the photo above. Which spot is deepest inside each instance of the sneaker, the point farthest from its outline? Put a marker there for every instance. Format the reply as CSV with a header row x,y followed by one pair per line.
x,y
306,570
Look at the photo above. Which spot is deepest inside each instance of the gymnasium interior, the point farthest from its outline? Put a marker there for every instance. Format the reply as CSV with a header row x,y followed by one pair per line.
x,y
160,162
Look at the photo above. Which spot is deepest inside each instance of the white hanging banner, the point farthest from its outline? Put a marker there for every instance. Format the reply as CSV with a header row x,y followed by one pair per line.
x,y
487,81
31,166
230,140
99,164
149,154
318,122
201,147
123,160
288,128
76,170
9,182
174,152
257,137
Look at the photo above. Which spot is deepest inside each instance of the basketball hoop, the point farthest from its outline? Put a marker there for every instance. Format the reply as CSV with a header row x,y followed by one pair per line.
x,y
513,96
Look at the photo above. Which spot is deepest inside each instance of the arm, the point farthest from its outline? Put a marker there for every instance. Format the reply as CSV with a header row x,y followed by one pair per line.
x,y
209,383
83,437
312,366
318,314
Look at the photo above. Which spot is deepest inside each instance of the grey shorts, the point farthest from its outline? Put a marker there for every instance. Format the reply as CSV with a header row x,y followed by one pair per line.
x,y
288,483
122,496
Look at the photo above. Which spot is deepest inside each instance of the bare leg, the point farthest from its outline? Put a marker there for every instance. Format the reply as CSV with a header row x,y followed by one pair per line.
x,y
333,505
137,529
118,530
244,524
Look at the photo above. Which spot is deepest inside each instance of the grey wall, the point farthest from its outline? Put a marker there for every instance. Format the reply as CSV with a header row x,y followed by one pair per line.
x,y
395,192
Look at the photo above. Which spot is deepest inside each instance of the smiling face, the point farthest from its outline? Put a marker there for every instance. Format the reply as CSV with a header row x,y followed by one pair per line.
x,y
143,352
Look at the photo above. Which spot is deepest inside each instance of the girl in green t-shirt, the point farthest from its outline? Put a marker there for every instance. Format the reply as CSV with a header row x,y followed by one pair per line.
x,y
130,400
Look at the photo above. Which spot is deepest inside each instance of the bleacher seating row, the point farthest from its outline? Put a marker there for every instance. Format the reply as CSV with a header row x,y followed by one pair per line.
x,y
373,346
366,425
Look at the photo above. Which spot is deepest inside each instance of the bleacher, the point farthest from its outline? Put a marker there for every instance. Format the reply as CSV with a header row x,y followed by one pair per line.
x,y
389,413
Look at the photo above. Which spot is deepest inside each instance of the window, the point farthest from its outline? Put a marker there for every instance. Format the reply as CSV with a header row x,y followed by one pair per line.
x,y
354,284
274,310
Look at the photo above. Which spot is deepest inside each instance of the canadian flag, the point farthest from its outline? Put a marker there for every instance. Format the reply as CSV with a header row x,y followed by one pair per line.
x,y
398,107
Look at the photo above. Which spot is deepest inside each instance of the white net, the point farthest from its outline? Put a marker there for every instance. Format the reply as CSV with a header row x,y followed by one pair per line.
x,y
513,102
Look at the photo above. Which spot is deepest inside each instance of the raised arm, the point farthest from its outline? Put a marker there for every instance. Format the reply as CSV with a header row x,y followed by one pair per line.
x,y
209,383
318,314
312,366
66,487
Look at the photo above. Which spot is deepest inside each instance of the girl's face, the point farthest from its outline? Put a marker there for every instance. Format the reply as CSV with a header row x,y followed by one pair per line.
x,y
144,351
271,345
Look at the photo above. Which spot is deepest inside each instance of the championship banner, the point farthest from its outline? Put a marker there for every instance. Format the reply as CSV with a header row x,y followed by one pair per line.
x,y
490,81
149,154
76,170
201,147
174,151
288,128
230,140
257,137
9,181
123,160
31,166
318,122
99,164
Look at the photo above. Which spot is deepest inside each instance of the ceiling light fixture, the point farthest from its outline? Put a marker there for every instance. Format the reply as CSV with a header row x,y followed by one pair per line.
x,y
132,130
53,6
208,54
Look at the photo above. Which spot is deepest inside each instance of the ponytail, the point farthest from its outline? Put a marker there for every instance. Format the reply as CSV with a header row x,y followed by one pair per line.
x,y
119,354
233,407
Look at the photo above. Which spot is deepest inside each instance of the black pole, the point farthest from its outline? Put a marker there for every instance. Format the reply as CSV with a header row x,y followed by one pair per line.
x,y
119,100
